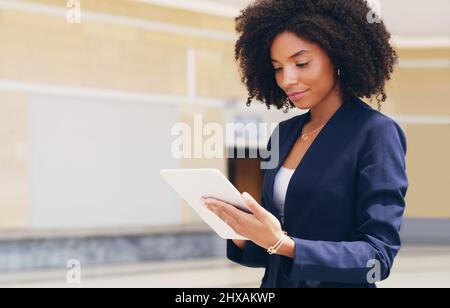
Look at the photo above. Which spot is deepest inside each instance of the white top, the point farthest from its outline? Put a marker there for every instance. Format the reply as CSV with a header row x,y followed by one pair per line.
x,y
280,186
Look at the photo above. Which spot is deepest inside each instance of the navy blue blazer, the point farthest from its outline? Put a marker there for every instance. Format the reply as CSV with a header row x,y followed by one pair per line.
x,y
344,203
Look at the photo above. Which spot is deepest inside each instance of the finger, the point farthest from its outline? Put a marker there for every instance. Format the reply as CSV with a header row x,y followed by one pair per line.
x,y
211,206
230,221
254,206
223,214
228,208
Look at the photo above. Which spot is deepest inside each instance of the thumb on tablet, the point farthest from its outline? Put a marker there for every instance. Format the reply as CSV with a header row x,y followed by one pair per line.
x,y
254,206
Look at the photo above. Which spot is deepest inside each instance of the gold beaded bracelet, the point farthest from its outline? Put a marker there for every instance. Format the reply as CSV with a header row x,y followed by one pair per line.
x,y
274,249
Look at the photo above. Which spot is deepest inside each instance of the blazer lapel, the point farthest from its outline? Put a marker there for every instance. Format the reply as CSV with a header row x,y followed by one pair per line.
x,y
287,141
319,159
316,159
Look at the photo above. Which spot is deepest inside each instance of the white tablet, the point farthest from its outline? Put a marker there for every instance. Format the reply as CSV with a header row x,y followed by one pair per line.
x,y
192,184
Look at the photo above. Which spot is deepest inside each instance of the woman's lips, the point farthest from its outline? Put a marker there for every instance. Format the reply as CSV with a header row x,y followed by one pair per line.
x,y
297,95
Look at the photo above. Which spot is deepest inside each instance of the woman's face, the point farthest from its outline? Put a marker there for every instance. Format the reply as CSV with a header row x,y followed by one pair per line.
x,y
302,69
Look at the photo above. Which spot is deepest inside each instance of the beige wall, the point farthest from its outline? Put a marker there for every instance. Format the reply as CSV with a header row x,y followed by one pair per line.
x,y
44,49
428,170
13,160
418,92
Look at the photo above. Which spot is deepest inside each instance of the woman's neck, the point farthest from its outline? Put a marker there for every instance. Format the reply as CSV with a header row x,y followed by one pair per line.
x,y
323,111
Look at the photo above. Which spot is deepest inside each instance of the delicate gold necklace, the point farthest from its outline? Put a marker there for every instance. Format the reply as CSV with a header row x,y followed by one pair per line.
x,y
305,136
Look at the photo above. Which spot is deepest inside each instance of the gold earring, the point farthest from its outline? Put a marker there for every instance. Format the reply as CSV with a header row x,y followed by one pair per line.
x,y
249,101
286,105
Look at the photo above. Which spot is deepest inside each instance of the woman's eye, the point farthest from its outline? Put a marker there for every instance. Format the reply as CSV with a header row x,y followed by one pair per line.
x,y
302,65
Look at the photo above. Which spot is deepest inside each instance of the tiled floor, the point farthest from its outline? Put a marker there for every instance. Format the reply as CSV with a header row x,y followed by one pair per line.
x,y
414,267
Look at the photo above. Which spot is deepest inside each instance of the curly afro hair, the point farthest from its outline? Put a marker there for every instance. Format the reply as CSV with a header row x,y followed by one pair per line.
x,y
360,49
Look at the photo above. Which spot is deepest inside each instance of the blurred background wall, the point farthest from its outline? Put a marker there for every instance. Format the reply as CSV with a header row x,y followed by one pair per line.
x,y
86,111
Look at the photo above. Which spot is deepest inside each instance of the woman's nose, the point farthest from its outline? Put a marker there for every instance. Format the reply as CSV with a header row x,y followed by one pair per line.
x,y
289,79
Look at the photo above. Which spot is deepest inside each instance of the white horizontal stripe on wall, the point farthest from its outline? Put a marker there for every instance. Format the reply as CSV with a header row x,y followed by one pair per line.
x,y
117,20
163,99
421,119
107,94
425,64
422,42
200,6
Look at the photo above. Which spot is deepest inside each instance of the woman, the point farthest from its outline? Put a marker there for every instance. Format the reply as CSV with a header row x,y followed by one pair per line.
x,y
331,211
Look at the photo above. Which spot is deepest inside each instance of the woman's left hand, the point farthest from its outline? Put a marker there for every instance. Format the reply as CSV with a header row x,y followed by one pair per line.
x,y
261,227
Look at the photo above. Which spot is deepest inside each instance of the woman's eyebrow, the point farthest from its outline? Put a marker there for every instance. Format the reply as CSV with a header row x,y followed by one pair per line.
x,y
295,54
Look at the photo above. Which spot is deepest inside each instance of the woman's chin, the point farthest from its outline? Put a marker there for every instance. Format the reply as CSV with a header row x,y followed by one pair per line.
x,y
302,104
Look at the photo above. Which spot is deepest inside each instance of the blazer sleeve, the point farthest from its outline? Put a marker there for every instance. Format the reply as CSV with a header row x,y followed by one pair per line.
x,y
381,185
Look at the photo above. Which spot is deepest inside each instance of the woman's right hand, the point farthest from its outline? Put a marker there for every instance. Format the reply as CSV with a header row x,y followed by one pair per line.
x,y
240,243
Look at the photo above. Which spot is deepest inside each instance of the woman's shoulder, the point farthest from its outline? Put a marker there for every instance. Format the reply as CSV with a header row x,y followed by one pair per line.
x,y
378,127
374,120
